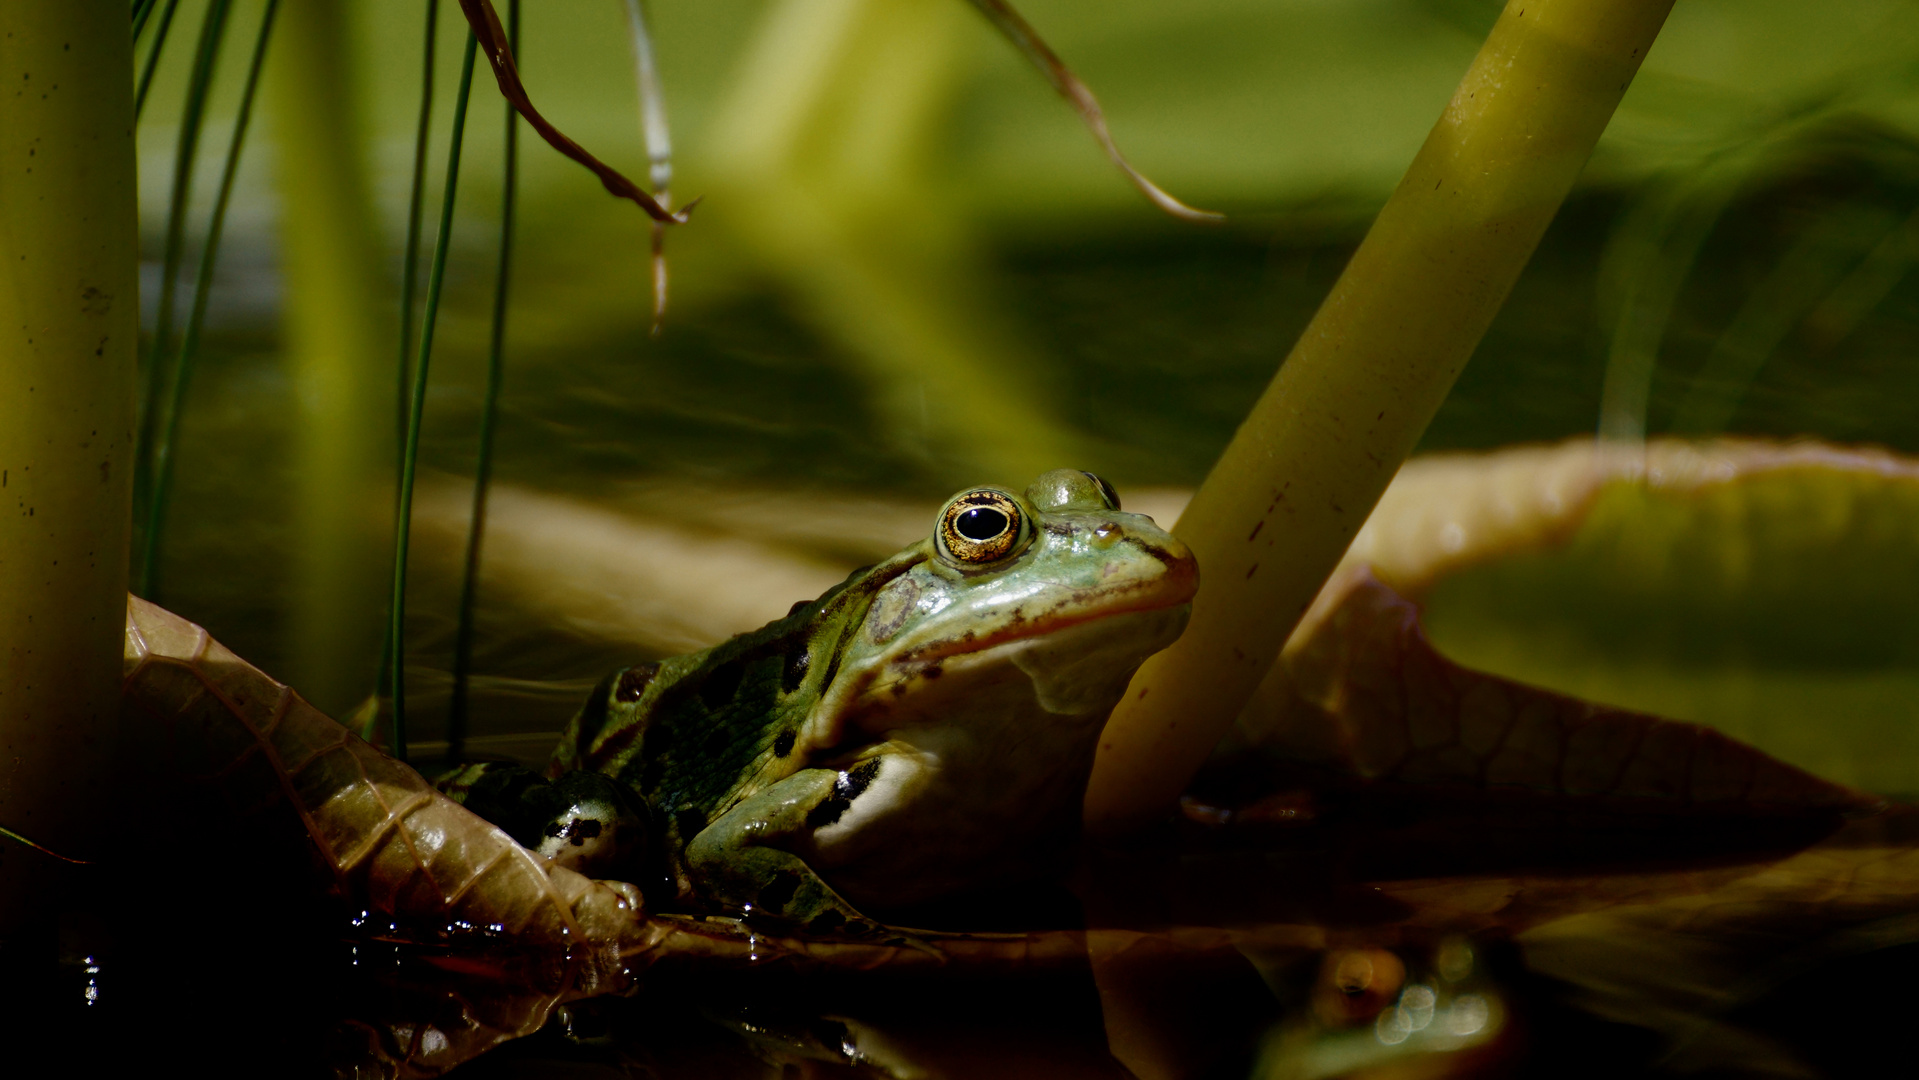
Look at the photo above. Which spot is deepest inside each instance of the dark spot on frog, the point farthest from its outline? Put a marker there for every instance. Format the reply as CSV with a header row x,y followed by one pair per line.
x,y
722,683
826,922
793,671
776,894
611,746
849,785
854,782
832,669
1158,553
577,831
593,713
783,745
634,680
798,606
652,774
689,821
1058,528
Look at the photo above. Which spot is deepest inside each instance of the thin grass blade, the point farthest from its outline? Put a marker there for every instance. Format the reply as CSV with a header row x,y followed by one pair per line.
x,y
1018,31
416,198
409,286
153,53
456,721
396,636
161,377
202,290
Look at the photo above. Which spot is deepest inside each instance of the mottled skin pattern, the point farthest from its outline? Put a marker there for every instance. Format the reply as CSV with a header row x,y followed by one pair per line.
x,y
924,726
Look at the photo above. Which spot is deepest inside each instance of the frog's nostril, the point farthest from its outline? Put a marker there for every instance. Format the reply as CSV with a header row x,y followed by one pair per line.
x,y
1107,534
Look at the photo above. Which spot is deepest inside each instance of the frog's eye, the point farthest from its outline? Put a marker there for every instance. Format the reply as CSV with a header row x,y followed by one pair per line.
x,y
981,526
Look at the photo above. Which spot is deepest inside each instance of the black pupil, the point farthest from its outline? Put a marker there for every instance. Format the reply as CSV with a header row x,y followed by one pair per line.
x,y
980,523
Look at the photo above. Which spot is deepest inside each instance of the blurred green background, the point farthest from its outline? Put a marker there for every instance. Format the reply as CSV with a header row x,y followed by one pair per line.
x,y
913,270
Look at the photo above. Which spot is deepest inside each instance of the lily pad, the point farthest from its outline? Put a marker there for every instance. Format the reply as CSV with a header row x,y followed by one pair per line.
x,y
1765,589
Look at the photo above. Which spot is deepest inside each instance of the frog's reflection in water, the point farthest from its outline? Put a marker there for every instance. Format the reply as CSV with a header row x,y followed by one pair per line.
x,y
1149,1006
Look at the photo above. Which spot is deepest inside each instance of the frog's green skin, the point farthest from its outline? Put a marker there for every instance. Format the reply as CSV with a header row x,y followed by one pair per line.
x,y
925,727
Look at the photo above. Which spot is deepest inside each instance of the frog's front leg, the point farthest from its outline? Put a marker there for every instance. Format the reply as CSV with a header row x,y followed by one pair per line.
x,y
741,860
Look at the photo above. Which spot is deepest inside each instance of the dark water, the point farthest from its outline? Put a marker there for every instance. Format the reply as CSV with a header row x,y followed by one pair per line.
x,y
1162,338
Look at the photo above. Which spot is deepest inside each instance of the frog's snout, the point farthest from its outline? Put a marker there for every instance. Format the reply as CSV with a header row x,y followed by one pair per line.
x,y
1178,577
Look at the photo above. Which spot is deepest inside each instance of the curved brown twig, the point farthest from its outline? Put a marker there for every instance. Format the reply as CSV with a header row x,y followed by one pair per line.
x,y
499,55
1024,38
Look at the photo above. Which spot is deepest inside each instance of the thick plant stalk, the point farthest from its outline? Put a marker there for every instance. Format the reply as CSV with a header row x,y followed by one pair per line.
x,y
1360,386
69,311
336,354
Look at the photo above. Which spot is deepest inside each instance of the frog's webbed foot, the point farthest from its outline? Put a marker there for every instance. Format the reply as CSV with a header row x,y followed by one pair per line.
x,y
735,862
582,821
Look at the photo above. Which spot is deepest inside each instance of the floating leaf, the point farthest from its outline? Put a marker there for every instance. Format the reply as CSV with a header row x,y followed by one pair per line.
x,y
1763,588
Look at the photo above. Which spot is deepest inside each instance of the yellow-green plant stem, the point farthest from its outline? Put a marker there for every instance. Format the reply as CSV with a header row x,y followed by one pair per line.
x,y
69,326
402,527
1367,375
334,327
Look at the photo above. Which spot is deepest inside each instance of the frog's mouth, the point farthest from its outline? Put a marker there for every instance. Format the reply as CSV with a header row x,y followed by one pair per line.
x,y
1077,644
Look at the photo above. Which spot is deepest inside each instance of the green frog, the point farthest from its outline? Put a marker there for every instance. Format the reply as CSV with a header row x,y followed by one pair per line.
x,y
923,729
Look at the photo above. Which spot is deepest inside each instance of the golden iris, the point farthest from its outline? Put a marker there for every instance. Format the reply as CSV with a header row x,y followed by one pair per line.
x,y
981,526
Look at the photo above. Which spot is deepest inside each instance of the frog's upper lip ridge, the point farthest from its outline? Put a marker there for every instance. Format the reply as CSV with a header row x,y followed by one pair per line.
x,y
1172,588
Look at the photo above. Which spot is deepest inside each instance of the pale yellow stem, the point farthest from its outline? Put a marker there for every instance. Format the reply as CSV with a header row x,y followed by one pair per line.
x,y
1366,377
339,356
69,324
